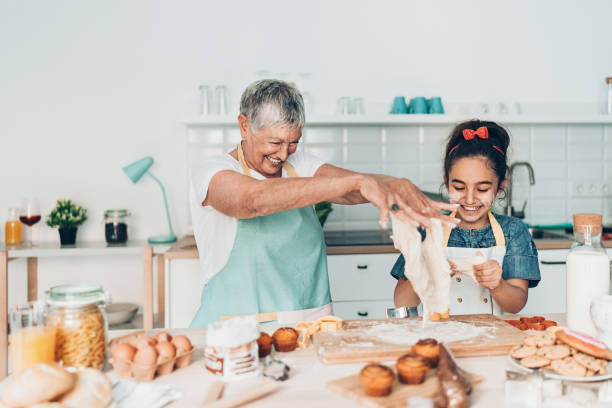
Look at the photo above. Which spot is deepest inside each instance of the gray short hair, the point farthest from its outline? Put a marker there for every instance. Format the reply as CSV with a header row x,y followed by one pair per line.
x,y
271,102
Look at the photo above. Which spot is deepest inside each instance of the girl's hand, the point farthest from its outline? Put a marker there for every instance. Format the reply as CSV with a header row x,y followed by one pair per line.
x,y
488,274
453,268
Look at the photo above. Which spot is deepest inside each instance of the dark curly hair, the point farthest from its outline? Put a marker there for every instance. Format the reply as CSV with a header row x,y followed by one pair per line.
x,y
494,148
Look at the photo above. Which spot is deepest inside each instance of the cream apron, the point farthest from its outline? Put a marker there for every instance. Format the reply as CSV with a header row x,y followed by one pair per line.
x,y
277,270
466,296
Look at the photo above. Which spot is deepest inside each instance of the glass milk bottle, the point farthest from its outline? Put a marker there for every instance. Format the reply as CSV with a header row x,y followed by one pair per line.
x,y
588,272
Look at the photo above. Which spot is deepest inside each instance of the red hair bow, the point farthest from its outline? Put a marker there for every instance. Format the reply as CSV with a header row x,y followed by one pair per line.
x,y
482,132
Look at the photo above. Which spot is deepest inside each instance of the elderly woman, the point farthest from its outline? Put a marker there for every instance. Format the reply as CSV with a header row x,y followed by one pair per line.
x,y
261,246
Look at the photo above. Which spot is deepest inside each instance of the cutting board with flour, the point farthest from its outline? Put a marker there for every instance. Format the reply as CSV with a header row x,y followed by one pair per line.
x,y
387,339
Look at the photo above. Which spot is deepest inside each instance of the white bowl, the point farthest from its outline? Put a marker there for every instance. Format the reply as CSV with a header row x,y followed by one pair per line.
x,y
118,313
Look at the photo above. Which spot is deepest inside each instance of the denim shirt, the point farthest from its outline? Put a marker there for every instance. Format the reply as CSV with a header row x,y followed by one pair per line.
x,y
520,261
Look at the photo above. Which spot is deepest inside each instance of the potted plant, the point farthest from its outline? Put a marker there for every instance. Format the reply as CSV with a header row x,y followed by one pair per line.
x,y
67,216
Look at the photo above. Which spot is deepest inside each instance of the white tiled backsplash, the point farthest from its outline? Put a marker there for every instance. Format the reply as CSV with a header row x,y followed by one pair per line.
x,y
572,163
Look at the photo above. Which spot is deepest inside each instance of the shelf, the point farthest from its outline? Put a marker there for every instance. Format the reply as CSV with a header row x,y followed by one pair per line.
x,y
82,248
398,120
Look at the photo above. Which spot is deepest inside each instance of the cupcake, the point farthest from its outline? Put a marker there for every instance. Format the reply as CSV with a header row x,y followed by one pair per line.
x,y
411,368
264,344
377,380
429,349
285,339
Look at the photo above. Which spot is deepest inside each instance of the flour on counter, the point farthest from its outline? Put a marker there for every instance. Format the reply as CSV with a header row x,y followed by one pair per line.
x,y
413,331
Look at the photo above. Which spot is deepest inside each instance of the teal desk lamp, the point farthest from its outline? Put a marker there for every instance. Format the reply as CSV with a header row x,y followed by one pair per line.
x,y
135,171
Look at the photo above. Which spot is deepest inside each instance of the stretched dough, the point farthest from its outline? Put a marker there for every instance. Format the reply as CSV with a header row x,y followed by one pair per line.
x,y
426,267
465,266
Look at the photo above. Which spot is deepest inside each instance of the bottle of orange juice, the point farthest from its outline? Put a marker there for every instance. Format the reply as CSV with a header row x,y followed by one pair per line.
x,y
13,229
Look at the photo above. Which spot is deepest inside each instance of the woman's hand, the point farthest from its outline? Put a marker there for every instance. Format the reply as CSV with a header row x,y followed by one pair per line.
x,y
488,274
386,192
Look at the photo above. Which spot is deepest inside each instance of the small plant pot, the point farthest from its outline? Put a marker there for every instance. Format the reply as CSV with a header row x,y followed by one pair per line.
x,y
68,235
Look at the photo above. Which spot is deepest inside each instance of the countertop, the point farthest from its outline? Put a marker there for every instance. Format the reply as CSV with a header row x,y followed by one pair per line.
x,y
352,242
306,386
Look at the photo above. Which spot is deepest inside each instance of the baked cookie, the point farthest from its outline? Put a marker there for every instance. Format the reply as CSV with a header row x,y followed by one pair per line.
x,y
535,362
584,343
539,339
568,367
556,352
597,365
521,351
376,379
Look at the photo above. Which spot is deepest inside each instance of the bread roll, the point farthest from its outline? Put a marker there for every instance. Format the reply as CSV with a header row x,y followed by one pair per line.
x,y
40,383
93,389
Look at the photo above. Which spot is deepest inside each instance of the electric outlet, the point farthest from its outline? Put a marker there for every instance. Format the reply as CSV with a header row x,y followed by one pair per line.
x,y
591,188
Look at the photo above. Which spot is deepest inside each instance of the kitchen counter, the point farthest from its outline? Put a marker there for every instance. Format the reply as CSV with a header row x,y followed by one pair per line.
x,y
307,385
352,242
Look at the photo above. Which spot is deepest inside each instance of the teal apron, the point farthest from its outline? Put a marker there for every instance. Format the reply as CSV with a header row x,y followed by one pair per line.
x,y
278,263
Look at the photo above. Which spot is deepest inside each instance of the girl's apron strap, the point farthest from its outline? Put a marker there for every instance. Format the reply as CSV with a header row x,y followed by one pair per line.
x,y
247,172
498,233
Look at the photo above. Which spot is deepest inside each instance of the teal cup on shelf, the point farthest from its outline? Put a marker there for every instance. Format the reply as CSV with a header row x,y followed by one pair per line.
x,y
399,105
418,105
434,105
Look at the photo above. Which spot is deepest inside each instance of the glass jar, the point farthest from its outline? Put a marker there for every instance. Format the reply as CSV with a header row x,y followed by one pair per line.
x,y
609,89
115,226
13,229
77,313
588,272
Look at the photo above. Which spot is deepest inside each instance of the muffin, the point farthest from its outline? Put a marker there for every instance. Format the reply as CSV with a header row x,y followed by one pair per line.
x,y
285,339
377,380
411,368
429,349
264,344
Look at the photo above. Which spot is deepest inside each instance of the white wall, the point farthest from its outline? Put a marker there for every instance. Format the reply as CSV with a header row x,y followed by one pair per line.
x,y
88,87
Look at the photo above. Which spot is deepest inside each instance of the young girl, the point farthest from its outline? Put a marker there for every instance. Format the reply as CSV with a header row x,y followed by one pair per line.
x,y
475,174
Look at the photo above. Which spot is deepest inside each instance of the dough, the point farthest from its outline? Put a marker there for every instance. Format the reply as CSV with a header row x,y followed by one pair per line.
x,y
465,266
426,266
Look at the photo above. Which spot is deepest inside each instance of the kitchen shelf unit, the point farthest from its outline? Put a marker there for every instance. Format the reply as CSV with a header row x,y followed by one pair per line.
x,y
390,120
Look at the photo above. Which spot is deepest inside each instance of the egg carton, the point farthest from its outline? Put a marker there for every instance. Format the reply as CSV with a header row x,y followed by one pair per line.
x,y
128,369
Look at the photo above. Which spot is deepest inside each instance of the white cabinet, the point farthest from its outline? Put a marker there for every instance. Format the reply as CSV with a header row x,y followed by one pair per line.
x,y
183,291
549,295
361,285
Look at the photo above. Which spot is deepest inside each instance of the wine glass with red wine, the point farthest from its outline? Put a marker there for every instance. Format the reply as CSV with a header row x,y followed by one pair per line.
x,y
29,215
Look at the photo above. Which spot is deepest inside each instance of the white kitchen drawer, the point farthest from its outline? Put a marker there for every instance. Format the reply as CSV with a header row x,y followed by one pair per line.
x,y
376,309
549,295
361,277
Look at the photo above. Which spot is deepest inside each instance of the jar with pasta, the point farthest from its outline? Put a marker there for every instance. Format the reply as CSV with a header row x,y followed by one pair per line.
x,y
77,313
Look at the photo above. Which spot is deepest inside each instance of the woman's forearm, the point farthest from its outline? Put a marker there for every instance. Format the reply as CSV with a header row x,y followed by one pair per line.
x,y
509,297
405,295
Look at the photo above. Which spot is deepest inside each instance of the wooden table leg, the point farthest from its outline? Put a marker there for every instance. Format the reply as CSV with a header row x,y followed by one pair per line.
x,y
161,286
3,314
32,279
147,282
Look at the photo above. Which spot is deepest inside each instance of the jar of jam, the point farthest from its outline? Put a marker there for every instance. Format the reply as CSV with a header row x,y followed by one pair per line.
x,y
115,226
77,313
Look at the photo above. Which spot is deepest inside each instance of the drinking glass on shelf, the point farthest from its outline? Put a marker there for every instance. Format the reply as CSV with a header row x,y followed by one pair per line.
x,y
29,215
31,340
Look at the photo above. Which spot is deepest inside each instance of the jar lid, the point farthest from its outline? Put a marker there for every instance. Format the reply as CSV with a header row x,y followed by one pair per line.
x,y
232,333
584,221
117,213
79,294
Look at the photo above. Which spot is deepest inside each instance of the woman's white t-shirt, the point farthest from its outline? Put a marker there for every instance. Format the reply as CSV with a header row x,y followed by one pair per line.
x,y
215,232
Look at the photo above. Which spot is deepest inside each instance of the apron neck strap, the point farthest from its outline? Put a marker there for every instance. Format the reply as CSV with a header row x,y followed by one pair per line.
x,y
498,233
247,172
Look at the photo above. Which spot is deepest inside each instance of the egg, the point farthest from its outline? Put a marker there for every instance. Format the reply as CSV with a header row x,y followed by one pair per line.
x,y
166,351
163,336
124,352
145,340
146,356
182,344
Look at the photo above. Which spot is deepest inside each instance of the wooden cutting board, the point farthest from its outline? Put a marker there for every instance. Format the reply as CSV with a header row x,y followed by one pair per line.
x,y
350,387
375,340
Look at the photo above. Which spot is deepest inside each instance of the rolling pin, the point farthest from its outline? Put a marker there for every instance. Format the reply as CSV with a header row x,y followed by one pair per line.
x,y
248,395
